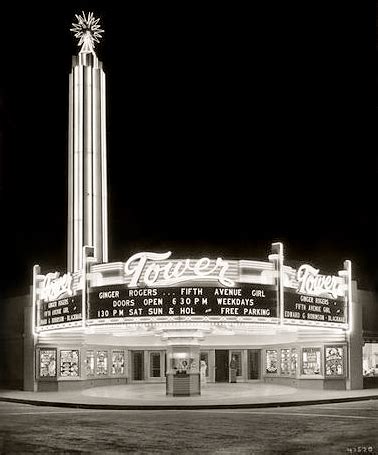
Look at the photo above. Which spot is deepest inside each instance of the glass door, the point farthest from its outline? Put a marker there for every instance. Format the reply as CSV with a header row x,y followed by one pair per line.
x,y
221,365
254,356
137,359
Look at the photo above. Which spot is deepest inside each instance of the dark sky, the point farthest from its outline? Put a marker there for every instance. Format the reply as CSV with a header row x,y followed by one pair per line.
x,y
228,129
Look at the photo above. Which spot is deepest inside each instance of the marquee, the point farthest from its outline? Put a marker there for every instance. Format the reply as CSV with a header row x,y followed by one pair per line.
x,y
154,288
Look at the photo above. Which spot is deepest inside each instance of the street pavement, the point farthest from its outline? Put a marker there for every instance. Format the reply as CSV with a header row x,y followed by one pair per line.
x,y
334,428
153,396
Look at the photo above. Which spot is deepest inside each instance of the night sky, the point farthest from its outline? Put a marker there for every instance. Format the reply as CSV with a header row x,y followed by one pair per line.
x,y
228,129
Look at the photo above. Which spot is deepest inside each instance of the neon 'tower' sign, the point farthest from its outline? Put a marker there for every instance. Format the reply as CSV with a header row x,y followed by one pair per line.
x,y
176,271
310,282
55,286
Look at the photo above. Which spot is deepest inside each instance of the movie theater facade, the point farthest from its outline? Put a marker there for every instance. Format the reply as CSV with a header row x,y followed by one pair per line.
x,y
156,318
152,318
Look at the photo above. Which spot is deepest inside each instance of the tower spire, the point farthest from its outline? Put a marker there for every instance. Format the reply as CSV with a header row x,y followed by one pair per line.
x,y
88,30
87,182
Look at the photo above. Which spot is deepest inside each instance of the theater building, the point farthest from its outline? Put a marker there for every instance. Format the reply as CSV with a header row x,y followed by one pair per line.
x,y
153,317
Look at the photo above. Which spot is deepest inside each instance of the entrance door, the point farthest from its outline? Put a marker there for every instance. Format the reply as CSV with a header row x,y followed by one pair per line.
x,y
254,363
221,366
137,363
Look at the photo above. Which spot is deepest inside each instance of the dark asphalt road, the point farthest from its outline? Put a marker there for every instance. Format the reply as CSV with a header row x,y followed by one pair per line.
x,y
320,429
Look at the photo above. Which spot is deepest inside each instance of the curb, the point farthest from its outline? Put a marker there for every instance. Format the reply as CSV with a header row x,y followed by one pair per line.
x,y
186,407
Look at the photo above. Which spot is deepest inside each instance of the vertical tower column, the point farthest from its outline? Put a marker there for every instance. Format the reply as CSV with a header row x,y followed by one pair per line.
x,y
87,182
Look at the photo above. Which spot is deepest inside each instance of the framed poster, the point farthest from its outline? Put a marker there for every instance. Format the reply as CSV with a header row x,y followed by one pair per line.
x,y
285,361
294,361
271,361
311,363
334,361
69,363
102,363
90,363
118,362
47,363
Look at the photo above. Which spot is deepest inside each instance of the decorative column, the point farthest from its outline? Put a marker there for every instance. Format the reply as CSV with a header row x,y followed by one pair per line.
x,y
278,258
354,334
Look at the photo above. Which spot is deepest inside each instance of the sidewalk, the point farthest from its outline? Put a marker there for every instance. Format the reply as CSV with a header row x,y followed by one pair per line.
x,y
152,396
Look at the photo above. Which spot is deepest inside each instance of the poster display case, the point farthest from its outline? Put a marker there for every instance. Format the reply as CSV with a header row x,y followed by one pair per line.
x,y
285,362
118,363
294,361
271,361
311,361
101,363
47,363
90,363
334,361
69,363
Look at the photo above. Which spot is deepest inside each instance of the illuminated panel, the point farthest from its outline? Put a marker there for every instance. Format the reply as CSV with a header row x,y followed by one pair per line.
x,y
153,269
308,309
122,304
59,313
179,271
57,304
313,299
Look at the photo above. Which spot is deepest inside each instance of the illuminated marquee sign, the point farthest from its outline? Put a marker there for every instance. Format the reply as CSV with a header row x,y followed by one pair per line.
x,y
63,312
310,282
57,306
317,299
152,287
122,302
173,272
54,286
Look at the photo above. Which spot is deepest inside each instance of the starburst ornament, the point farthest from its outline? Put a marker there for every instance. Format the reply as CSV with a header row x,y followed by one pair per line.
x,y
88,30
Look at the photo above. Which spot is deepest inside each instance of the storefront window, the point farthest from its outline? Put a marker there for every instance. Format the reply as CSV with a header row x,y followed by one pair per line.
x,y
69,363
118,362
310,361
47,363
370,359
334,361
294,361
102,363
271,361
154,364
90,363
285,361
